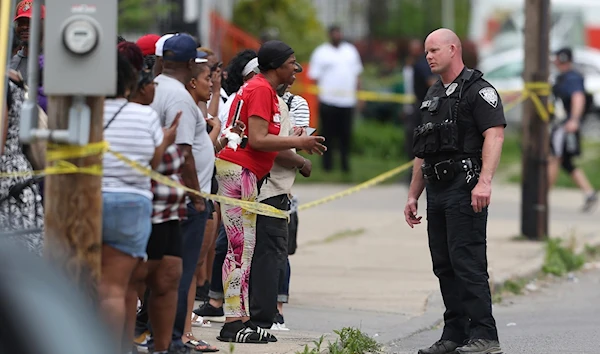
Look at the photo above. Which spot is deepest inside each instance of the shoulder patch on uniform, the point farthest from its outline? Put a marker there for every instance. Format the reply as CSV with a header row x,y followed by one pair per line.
x,y
489,95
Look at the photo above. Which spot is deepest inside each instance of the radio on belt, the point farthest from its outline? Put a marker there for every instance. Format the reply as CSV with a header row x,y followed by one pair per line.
x,y
80,36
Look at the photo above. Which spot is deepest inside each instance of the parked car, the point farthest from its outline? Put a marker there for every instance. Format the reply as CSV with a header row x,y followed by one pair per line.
x,y
505,71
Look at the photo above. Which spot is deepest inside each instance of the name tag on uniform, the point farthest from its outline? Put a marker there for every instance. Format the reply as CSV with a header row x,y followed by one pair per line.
x,y
425,104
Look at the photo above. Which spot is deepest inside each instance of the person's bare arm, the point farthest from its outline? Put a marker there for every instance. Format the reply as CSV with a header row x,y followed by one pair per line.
x,y
189,175
417,185
213,108
289,159
577,106
492,150
260,139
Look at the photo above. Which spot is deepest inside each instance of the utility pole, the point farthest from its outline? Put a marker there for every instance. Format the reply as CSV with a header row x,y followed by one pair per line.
x,y
80,59
73,204
534,207
448,14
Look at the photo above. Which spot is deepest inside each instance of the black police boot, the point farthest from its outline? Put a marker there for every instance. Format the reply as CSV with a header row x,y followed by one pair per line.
x,y
441,347
480,346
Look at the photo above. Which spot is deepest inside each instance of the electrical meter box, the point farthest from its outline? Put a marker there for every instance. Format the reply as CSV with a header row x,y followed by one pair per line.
x,y
80,48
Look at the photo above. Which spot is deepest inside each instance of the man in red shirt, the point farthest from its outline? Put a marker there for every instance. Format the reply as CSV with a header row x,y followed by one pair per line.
x,y
240,171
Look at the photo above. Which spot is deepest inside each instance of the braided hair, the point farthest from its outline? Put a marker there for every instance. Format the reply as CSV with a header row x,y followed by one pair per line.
x,y
126,77
235,80
133,53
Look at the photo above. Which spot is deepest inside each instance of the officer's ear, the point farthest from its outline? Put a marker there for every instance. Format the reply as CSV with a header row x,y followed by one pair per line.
x,y
452,50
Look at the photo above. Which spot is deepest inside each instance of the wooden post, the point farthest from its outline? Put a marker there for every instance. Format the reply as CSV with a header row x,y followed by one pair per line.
x,y
534,212
73,205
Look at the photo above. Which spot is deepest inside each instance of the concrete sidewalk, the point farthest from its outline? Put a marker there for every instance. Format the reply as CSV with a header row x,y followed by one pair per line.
x,y
359,264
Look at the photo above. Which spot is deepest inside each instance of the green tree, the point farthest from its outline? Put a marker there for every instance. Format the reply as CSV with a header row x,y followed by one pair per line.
x,y
142,15
414,18
295,21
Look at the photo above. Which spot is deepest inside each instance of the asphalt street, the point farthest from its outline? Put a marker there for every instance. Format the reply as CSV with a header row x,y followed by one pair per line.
x,y
560,318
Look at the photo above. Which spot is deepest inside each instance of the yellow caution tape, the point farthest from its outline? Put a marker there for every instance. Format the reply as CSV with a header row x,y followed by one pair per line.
x,y
257,208
370,183
61,152
58,153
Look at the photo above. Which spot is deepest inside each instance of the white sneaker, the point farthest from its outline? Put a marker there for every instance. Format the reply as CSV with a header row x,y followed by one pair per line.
x,y
198,321
279,327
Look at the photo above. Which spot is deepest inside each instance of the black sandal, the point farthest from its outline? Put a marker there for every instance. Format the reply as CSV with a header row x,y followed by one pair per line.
x,y
261,331
237,332
199,345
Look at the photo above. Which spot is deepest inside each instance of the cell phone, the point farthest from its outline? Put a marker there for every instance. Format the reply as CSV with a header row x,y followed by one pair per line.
x,y
310,131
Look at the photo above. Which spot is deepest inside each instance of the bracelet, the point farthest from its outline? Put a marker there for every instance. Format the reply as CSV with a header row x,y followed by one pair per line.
x,y
304,164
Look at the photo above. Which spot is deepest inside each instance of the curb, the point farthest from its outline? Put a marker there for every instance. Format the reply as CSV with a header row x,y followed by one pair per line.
x,y
434,309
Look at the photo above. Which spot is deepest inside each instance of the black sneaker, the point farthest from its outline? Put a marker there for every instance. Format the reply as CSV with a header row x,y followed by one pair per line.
x,y
238,332
210,313
480,346
441,347
261,331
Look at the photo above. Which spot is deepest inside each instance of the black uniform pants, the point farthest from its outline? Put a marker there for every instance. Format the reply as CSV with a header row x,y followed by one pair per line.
x,y
457,242
336,127
269,260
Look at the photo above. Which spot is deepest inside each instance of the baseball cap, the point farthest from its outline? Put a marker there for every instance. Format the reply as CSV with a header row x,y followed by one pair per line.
x,y
147,43
182,48
564,55
158,51
24,9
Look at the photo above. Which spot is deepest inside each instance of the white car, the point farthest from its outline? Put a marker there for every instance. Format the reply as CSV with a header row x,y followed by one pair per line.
x,y
504,70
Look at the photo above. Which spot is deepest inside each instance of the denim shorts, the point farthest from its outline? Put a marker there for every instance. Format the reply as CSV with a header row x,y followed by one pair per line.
x,y
126,223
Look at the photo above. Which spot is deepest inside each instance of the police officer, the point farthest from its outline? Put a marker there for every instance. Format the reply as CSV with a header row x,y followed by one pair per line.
x,y
565,144
457,147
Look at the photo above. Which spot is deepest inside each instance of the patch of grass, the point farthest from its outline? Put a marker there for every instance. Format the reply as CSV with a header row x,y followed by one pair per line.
x,y
561,259
350,341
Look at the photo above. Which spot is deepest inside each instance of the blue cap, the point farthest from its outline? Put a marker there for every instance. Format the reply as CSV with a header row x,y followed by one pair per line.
x,y
180,48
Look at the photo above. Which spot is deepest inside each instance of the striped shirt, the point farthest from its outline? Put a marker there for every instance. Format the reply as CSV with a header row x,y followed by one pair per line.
x,y
134,132
299,111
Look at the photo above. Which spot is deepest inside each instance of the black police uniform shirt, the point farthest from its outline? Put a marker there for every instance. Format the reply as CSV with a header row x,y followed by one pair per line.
x,y
479,109
566,85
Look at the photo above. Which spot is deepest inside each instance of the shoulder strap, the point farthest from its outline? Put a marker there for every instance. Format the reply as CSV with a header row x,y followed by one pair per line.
x,y
289,102
115,115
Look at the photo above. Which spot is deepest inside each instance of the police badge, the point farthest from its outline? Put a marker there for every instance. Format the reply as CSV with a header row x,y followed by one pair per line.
x,y
489,95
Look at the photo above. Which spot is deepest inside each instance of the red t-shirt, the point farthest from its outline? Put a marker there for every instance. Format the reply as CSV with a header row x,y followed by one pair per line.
x,y
260,100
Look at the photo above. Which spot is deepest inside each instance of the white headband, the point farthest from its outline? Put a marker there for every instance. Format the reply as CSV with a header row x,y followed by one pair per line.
x,y
250,67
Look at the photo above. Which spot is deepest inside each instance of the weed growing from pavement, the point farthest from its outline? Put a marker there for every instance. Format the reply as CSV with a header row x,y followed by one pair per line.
x,y
560,259
351,341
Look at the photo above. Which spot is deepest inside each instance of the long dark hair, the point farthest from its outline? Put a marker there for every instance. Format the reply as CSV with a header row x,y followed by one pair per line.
x,y
235,80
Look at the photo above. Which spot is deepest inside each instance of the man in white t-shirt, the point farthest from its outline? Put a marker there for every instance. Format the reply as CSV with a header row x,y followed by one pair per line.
x,y
179,61
336,67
